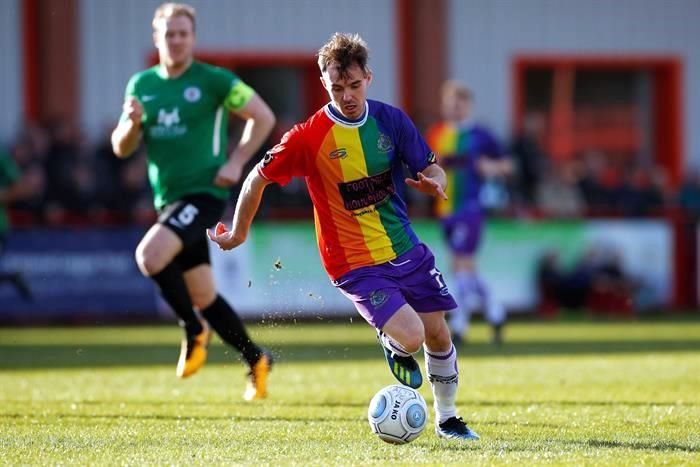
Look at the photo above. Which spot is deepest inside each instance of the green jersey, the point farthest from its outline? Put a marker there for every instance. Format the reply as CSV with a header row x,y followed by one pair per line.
x,y
9,174
185,125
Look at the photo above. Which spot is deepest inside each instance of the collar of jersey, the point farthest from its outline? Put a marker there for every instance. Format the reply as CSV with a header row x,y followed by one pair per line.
x,y
161,71
338,118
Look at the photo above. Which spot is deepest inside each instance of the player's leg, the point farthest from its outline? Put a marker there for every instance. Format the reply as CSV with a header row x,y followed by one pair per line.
x,y
443,374
226,322
426,291
462,233
14,277
402,336
465,237
468,296
376,296
163,254
155,256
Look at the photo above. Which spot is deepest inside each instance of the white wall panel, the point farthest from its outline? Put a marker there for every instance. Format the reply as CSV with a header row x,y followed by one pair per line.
x,y
116,38
11,90
486,34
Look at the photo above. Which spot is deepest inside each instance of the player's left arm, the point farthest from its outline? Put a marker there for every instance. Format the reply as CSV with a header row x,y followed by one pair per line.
x,y
430,178
431,181
260,120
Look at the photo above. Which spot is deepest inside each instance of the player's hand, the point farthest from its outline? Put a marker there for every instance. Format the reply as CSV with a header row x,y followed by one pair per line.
x,y
133,109
427,185
223,237
229,174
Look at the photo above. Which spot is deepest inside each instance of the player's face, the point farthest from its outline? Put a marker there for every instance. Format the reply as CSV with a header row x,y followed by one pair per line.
x,y
456,108
174,39
348,93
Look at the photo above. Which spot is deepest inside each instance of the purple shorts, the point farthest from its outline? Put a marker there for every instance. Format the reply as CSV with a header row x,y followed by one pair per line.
x,y
463,232
379,291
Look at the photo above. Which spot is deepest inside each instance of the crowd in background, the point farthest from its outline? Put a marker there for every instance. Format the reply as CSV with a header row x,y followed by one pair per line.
x,y
78,182
75,182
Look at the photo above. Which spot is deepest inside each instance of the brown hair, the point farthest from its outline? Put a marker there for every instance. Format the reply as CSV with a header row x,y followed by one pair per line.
x,y
342,50
169,10
454,88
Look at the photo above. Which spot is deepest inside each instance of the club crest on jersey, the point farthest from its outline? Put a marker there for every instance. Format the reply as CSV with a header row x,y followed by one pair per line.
x,y
340,153
378,298
266,159
384,143
192,94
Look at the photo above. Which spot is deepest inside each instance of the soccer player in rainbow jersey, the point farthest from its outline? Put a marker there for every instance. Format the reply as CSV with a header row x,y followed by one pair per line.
x,y
469,154
180,109
352,152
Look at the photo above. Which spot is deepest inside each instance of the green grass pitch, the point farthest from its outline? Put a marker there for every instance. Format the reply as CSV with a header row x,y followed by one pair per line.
x,y
560,393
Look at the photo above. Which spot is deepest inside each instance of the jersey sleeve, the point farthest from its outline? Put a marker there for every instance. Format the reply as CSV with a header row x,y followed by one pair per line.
x,y
286,160
234,93
9,172
413,149
490,145
129,92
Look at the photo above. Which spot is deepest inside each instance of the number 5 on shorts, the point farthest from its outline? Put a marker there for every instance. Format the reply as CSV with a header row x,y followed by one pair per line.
x,y
184,217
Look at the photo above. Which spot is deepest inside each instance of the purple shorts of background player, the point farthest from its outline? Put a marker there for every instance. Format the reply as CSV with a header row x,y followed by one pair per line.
x,y
379,291
463,231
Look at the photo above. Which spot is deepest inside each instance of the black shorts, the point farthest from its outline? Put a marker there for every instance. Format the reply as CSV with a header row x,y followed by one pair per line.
x,y
189,218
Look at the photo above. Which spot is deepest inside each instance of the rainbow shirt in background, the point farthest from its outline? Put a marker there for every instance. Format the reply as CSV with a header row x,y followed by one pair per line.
x,y
458,149
354,173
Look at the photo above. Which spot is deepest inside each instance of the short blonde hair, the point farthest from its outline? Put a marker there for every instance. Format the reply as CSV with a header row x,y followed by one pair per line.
x,y
342,50
169,10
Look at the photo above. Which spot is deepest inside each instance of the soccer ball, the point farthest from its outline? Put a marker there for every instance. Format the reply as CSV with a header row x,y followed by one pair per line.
x,y
397,414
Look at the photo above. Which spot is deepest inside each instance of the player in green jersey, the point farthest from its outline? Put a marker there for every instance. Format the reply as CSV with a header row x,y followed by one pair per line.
x,y
11,188
180,109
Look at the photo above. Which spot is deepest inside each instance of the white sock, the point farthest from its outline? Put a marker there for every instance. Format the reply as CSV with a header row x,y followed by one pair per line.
x,y
444,379
458,319
495,312
392,344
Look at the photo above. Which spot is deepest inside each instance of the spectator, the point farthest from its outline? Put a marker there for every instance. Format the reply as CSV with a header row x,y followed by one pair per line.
x,y
529,157
639,197
689,194
558,194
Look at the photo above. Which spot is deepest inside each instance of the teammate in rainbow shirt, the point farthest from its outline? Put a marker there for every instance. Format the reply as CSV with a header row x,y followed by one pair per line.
x,y
352,152
469,154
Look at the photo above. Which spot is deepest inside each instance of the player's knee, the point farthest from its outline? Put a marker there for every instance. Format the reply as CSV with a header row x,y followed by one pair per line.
x,y
148,261
413,341
202,299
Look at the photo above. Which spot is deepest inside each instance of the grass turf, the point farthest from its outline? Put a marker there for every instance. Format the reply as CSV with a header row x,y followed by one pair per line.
x,y
559,393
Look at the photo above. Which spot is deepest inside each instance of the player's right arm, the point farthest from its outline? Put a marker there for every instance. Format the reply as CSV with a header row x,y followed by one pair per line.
x,y
127,135
280,164
246,208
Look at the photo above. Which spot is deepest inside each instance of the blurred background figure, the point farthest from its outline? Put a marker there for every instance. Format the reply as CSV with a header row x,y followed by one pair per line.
x,y
11,187
557,194
471,157
180,110
529,157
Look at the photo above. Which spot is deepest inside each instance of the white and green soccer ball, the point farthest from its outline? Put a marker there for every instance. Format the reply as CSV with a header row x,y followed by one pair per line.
x,y
397,414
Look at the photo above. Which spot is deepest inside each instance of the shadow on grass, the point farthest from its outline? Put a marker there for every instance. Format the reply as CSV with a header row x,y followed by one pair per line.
x,y
179,418
661,446
112,355
639,445
352,404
